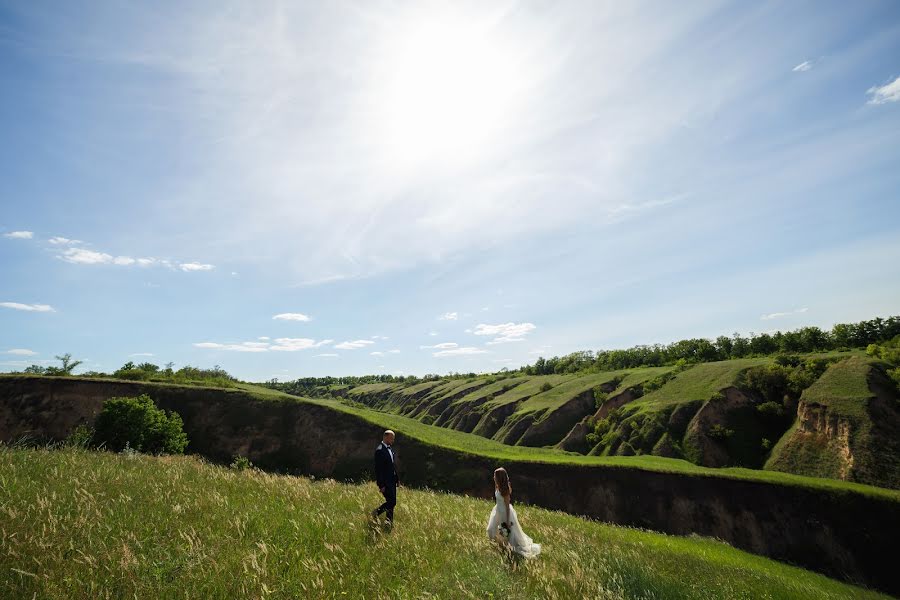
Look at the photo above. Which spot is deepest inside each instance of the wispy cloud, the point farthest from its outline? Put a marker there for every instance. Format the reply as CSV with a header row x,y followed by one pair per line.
x,y
192,266
449,316
889,92
326,355
62,241
21,352
377,353
291,317
28,307
464,351
280,345
778,315
353,345
505,332
78,255
138,354
806,65
19,235
441,346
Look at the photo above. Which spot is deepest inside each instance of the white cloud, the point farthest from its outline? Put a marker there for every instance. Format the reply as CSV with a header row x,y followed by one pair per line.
x,y
123,261
327,355
380,337
449,316
432,333
245,347
146,262
28,307
394,351
142,354
192,266
464,351
354,345
264,338
280,345
291,317
441,346
377,353
505,332
889,92
19,235
62,241
295,344
540,350
806,65
21,352
83,256
778,315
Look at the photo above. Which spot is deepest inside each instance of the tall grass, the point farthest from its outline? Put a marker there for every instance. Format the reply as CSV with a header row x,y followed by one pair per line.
x,y
77,524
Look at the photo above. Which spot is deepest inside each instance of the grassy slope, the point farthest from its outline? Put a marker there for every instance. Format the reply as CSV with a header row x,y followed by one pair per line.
x,y
472,444
699,382
468,443
92,525
844,390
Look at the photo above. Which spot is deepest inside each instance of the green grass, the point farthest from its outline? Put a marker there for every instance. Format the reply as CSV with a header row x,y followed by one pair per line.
x,y
467,443
97,525
699,382
843,388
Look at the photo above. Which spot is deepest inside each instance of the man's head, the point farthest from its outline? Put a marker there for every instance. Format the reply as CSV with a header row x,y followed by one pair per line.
x,y
388,437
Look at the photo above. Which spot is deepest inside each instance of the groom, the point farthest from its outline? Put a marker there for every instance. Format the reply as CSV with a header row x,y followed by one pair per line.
x,y
386,476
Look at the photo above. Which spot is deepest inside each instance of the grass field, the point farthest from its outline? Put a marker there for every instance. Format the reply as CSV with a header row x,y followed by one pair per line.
x,y
77,524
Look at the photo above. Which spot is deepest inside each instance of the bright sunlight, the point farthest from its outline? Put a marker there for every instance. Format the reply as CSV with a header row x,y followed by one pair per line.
x,y
445,92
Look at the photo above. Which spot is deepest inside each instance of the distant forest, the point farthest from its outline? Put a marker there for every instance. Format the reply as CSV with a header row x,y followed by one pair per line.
x,y
843,336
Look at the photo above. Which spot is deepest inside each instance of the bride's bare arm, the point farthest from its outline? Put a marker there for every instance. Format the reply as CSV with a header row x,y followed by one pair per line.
x,y
508,519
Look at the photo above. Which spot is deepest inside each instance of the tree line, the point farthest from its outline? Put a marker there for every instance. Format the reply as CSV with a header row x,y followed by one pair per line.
x,y
695,350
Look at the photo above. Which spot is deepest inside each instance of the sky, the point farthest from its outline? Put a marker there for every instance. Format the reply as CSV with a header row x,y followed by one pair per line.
x,y
290,189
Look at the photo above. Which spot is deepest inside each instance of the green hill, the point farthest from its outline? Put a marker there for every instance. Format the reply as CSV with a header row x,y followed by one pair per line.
x,y
733,413
847,428
95,525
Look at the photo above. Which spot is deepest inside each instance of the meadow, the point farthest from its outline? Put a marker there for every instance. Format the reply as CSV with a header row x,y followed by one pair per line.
x,y
80,524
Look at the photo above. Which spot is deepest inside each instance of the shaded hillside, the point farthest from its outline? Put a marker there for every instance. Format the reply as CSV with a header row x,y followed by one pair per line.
x,y
764,512
166,527
717,414
847,427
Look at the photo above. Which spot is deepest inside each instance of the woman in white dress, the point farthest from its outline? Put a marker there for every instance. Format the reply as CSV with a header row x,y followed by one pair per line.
x,y
505,523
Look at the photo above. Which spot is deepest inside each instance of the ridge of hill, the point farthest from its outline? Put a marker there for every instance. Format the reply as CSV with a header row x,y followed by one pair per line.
x,y
735,413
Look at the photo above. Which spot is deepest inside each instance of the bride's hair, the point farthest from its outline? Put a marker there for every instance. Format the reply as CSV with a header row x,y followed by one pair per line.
x,y
501,480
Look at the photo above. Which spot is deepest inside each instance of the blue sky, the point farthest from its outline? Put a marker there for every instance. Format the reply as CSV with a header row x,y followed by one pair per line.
x,y
292,189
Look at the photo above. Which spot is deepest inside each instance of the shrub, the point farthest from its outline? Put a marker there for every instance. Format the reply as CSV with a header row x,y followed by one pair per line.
x,y
546,386
599,397
771,409
81,437
718,432
140,425
241,463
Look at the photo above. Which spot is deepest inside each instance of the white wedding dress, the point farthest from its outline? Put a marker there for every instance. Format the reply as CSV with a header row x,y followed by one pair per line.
x,y
518,541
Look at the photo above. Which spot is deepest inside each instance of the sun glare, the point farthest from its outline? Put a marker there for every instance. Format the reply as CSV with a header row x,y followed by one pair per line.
x,y
446,91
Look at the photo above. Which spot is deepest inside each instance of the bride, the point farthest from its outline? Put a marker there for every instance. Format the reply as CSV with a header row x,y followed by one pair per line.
x,y
504,520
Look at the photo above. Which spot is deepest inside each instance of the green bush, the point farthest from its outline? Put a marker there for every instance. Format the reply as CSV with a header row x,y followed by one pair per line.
x,y
241,463
546,386
718,432
81,437
140,425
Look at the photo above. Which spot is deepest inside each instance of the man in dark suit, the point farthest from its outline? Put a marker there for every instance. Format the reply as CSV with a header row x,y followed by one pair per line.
x,y
386,476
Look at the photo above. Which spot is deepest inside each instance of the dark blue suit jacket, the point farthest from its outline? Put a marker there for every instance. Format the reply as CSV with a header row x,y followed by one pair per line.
x,y
385,468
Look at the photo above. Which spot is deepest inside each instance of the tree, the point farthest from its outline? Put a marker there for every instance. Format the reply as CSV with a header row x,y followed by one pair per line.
x,y
68,365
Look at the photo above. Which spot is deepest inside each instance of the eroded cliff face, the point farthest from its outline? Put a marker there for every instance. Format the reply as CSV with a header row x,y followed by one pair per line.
x,y
854,440
815,420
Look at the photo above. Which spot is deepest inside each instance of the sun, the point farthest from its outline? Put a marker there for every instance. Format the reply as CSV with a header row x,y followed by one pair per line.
x,y
446,92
